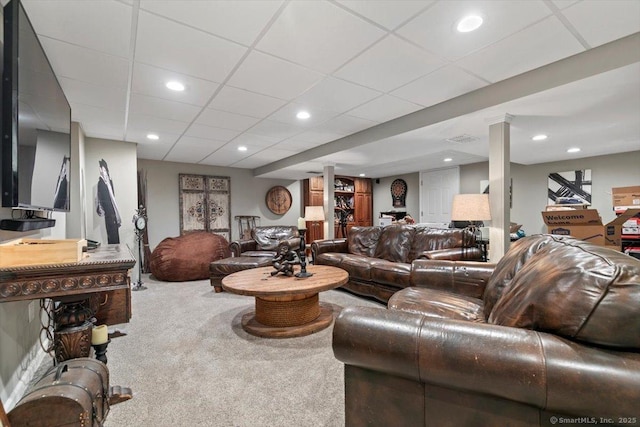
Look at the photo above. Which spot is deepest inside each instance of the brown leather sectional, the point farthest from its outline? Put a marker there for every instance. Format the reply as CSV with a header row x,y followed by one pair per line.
x,y
381,260
549,335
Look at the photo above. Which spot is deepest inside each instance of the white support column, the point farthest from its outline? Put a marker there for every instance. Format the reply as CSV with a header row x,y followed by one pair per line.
x,y
499,185
328,196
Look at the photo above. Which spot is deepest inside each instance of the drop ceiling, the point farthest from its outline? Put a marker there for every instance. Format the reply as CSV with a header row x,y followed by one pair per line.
x,y
360,68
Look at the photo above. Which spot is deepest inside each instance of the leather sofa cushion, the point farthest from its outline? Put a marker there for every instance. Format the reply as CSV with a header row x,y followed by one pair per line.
x,y
577,290
268,237
331,258
439,304
397,274
394,243
431,239
517,255
358,266
363,240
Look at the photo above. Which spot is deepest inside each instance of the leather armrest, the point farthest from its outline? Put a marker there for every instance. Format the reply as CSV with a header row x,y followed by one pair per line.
x,y
522,365
461,277
239,246
330,245
293,243
454,254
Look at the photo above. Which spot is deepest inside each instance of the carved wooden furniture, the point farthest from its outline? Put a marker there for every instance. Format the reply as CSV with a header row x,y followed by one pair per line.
x,y
98,285
285,306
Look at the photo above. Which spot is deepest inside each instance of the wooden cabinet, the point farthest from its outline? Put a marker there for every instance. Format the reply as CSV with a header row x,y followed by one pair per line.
x,y
353,201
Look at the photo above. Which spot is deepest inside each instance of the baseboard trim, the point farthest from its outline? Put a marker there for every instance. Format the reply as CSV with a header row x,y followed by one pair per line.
x,y
27,375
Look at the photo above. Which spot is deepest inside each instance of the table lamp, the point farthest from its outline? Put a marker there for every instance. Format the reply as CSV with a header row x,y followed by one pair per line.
x,y
314,214
472,208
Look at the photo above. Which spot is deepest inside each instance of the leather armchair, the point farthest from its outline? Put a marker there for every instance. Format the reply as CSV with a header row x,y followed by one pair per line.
x,y
549,335
265,240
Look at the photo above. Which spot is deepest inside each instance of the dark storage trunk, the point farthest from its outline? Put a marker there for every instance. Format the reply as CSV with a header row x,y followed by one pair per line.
x,y
74,393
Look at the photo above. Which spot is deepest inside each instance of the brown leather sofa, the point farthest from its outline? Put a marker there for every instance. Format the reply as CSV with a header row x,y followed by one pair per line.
x,y
549,335
265,240
380,260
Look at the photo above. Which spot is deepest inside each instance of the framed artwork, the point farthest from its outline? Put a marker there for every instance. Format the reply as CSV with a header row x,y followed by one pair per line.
x,y
570,186
205,204
278,200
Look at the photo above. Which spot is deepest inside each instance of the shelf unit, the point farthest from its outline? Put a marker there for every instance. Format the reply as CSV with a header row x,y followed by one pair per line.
x,y
352,199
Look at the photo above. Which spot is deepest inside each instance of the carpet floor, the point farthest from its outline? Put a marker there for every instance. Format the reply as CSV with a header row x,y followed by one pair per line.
x,y
190,363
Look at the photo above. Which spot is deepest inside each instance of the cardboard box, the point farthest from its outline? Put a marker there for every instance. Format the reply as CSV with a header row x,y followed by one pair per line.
x,y
583,224
20,252
587,225
626,196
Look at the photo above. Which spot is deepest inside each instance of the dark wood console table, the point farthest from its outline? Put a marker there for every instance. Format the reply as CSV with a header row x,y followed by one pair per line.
x,y
96,286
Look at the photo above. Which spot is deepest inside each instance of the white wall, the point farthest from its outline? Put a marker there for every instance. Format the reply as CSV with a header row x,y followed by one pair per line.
x,y
247,197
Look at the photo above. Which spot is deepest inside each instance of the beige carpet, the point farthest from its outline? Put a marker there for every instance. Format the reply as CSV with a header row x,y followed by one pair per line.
x,y
190,363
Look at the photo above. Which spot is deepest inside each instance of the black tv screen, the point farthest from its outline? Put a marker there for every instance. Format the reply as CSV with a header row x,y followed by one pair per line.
x,y
36,121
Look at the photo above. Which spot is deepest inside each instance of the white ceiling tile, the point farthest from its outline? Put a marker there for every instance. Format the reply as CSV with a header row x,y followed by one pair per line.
x,y
87,65
225,120
90,94
152,152
209,132
287,114
311,138
162,108
275,129
149,80
264,157
99,120
100,24
318,35
272,76
225,156
388,13
255,141
538,45
240,21
389,64
148,124
175,47
140,137
384,108
445,83
600,22
435,29
244,102
563,4
187,152
333,94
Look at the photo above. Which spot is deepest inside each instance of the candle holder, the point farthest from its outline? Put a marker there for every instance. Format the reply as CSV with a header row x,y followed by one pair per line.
x,y
101,351
303,273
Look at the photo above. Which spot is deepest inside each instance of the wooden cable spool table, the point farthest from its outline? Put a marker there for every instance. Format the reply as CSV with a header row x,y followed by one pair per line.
x,y
285,306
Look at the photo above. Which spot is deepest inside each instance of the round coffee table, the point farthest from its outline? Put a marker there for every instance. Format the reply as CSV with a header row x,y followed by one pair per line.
x,y
285,306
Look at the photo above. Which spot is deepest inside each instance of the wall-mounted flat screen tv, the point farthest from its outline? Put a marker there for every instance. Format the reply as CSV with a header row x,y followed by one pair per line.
x,y
36,121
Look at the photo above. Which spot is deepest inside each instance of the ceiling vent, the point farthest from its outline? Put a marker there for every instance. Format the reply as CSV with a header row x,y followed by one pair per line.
x,y
463,139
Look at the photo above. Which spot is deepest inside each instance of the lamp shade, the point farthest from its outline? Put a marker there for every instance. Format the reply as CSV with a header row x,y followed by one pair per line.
x,y
314,213
470,207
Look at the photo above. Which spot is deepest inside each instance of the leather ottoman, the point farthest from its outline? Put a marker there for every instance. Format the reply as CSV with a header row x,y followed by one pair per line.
x,y
223,267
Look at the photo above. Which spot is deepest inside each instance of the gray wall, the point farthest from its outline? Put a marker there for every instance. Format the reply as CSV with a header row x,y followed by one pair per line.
x,y
247,197
530,186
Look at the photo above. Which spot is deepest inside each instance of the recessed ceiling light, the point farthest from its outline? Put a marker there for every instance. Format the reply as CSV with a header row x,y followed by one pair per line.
x,y
448,159
362,174
303,115
469,23
540,137
174,85
242,148
153,136
573,150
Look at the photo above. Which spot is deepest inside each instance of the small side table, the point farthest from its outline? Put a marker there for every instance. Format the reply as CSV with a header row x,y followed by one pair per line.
x,y
482,245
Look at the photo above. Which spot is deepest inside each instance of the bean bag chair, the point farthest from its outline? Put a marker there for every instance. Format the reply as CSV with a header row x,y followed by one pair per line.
x,y
184,258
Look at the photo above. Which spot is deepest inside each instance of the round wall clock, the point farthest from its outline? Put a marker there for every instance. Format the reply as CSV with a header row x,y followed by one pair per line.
x,y
278,200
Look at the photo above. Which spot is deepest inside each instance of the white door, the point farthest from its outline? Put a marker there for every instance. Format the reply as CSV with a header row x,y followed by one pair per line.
x,y
437,188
